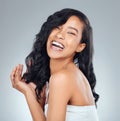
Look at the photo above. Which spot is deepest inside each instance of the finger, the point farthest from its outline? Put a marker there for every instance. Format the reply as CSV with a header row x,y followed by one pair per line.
x,y
12,75
32,85
18,74
20,69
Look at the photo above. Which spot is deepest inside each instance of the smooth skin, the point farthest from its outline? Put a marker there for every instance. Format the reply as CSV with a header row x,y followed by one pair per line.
x,y
67,84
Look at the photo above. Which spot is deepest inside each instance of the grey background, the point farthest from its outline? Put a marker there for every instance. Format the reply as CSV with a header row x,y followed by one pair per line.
x,y
20,20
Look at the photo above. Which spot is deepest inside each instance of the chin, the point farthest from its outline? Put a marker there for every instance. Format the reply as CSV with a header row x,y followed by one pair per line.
x,y
51,56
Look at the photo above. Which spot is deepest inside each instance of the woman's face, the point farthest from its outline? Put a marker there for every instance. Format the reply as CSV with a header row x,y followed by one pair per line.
x,y
64,41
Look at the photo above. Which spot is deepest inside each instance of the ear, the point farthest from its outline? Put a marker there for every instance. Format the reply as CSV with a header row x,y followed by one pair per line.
x,y
80,47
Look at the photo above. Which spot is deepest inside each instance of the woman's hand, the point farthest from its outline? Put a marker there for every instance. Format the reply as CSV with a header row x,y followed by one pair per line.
x,y
19,83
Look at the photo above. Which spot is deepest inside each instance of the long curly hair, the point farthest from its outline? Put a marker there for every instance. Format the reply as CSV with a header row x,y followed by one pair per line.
x,y
37,62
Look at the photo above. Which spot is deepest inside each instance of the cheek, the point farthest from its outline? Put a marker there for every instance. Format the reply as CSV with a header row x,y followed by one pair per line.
x,y
48,44
73,43
49,39
72,47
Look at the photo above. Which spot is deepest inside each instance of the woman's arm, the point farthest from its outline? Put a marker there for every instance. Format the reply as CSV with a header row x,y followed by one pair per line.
x,y
60,92
29,91
35,108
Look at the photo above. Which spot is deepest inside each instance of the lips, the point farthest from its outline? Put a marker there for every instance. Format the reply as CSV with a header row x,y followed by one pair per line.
x,y
57,44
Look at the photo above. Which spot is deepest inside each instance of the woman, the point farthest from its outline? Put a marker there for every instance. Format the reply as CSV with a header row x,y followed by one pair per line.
x,y
62,57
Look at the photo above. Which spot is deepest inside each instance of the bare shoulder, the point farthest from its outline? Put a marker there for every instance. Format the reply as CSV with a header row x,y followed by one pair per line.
x,y
62,77
61,82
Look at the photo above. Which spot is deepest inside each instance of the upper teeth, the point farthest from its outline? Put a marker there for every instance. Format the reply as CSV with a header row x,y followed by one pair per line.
x,y
57,44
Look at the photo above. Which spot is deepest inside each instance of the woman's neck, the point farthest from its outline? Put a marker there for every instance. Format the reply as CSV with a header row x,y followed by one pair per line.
x,y
57,65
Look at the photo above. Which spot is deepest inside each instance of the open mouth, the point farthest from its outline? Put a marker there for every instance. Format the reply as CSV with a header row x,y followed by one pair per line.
x,y
57,44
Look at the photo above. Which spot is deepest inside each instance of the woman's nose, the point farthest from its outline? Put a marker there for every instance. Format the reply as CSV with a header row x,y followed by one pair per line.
x,y
60,35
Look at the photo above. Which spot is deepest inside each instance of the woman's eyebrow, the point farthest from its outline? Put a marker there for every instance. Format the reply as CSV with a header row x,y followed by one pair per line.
x,y
70,27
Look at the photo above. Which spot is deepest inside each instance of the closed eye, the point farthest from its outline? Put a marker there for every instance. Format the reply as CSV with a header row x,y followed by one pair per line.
x,y
71,33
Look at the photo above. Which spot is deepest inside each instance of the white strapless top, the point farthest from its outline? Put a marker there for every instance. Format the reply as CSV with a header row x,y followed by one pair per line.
x,y
79,113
